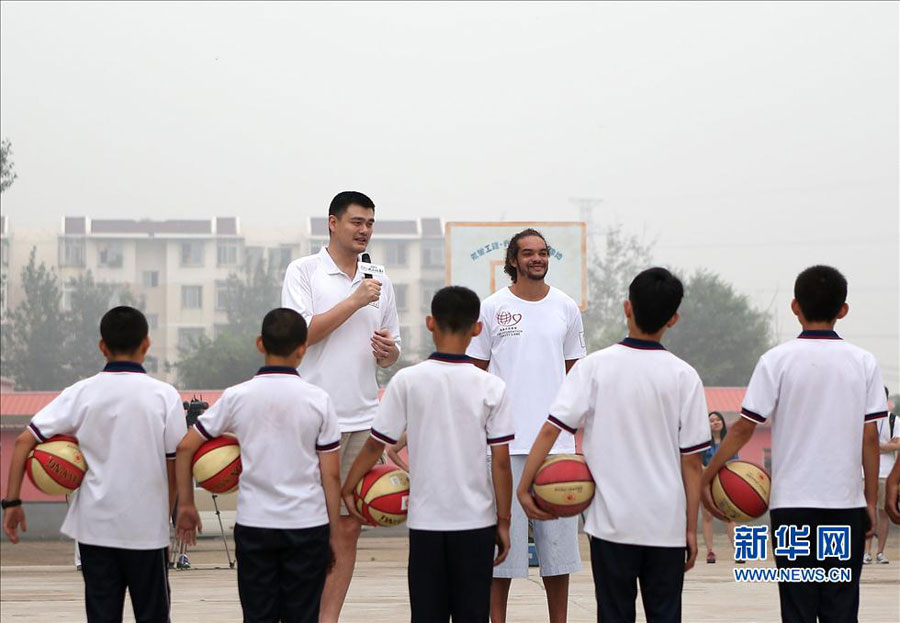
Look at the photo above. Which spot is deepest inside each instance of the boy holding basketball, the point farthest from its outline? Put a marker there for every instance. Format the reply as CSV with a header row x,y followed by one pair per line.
x,y
451,411
823,397
289,495
644,416
128,426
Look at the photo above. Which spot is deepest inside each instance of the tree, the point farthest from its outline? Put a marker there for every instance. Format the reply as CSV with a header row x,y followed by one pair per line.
x,y
35,333
231,356
7,174
623,257
90,300
719,332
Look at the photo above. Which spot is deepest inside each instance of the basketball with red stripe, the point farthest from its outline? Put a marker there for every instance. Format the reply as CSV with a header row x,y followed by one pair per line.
x,y
217,464
741,490
563,485
56,466
382,496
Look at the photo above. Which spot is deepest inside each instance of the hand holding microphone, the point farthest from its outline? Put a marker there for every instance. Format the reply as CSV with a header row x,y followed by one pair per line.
x,y
369,290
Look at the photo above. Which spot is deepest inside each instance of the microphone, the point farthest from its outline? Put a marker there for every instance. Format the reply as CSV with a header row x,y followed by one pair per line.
x,y
367,260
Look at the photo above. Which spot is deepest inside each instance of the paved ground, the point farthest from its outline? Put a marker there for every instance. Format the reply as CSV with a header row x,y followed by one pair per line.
x,y
39,584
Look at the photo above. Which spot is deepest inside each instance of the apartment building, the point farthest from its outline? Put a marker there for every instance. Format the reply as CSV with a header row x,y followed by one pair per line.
x,y
179,267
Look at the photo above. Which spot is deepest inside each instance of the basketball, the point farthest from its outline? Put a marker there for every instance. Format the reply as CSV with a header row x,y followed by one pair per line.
x,y
563,485
217,464
56,466
382,496
741,490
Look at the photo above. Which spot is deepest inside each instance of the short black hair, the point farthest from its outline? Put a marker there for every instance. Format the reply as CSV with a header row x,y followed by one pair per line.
x,y
123,329
347,198
512,251
655,295
455,309
283,331
820,292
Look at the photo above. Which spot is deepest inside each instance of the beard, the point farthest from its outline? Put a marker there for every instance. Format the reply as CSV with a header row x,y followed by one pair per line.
x,y
534,274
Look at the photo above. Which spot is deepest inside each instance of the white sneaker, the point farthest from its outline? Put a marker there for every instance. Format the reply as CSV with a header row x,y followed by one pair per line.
x,y
881,559
867,559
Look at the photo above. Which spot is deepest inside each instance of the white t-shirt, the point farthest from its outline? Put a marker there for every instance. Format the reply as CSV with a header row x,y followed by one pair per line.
x,y
528,343
451,411
642,409
281,422
342,364
127,425
818,391
886,459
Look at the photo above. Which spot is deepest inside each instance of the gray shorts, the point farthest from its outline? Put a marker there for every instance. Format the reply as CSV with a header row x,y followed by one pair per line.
x,y
556,541
351,446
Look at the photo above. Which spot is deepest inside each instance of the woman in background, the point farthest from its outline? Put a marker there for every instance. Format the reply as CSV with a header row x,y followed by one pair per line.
x,y
719,429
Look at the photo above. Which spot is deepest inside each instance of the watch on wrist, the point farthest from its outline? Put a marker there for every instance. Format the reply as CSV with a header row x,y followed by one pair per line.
x,y
10,503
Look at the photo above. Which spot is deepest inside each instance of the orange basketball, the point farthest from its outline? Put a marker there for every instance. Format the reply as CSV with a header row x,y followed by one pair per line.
x,y
563,485
217,464
741,490
56,466
382,496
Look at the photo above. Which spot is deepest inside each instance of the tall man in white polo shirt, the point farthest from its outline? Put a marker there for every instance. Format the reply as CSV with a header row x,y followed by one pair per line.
x,y
353,327
532,336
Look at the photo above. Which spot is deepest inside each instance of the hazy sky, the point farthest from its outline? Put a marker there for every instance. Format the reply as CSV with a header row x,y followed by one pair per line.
x,y
752,139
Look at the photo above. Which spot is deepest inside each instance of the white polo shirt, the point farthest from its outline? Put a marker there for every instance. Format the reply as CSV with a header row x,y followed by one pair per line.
x,y
281,422
451,411
127,425
342,364
642,409
818,391
528,343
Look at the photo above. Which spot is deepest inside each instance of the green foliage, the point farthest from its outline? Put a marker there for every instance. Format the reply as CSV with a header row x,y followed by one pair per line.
x,y
719,332
611,270
46,348
231,357
7,174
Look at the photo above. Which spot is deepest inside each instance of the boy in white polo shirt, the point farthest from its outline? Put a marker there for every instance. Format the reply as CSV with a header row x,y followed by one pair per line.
x,y
532,335
353,328
127,425
289,494
451,411
823,397
645,423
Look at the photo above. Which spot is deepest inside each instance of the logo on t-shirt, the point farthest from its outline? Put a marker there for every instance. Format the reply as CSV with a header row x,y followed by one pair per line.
x,y
508,321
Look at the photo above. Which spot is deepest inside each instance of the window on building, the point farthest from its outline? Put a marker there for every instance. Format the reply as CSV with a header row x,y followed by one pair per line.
x,y
221,296
151,364
428,290
254,256
316,245
153,321
109,254
395,253
71,252
4,252
191,297
4,293
192,253
150,278
400,296
188,336
432,253
227,254
280,257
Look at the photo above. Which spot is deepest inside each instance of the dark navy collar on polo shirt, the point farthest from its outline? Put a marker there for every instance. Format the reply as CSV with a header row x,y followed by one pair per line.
x,y
450,357
633,342
277,370
124,366
818,334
